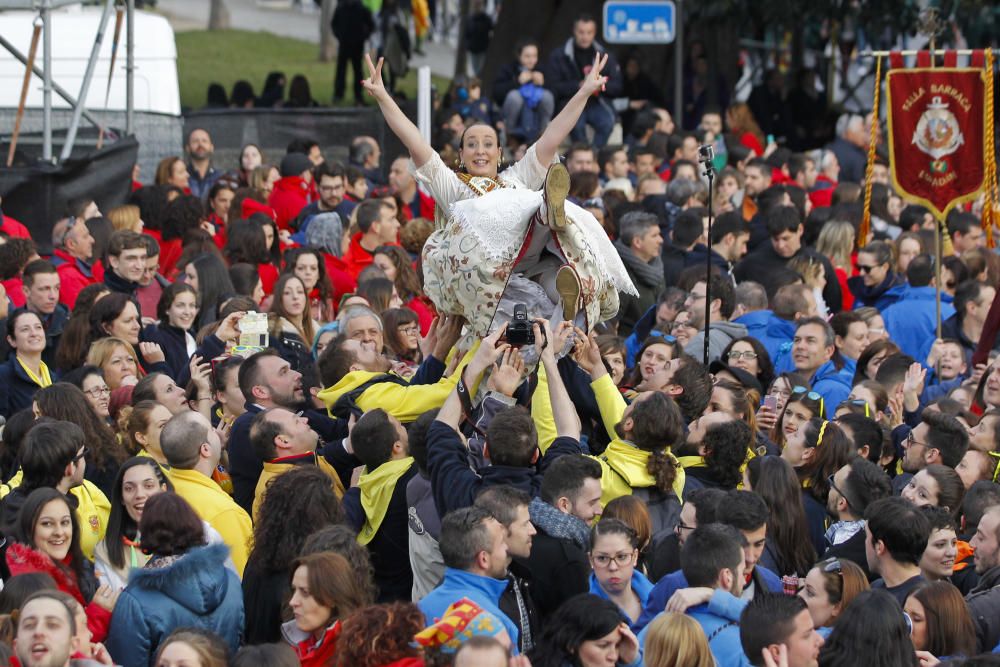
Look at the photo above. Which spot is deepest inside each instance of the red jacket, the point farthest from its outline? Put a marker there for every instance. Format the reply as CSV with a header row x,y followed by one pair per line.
x,y
341,279
290,195
357,258
425,209
15,291
170,253
425,312
14,228
74,275
251,206
22,559
322,655
268,277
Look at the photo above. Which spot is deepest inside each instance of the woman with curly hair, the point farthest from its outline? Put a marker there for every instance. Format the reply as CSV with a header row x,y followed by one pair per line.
x,y
381,635
306,494
396,264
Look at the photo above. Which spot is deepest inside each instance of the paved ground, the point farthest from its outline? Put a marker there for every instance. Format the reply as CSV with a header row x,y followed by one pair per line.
x,y
278,17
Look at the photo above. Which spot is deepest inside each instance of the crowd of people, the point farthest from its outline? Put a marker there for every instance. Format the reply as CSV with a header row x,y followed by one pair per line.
x,y
399,413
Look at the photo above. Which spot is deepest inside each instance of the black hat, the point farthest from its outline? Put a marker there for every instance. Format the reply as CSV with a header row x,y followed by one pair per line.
x,y
294,164
744,378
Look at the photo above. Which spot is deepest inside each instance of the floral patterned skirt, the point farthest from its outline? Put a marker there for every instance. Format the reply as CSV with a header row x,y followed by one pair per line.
x,y
463,278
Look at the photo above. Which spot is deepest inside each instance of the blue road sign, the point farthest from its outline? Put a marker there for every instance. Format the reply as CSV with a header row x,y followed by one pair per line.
x,y
651,22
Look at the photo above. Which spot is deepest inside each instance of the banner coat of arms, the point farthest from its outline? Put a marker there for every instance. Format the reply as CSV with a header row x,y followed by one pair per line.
x,y
937,124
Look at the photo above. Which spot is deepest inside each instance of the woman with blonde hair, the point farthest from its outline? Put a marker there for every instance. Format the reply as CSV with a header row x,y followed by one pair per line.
x,y
126,217
172,171
194,647
676,640
836,243
117,360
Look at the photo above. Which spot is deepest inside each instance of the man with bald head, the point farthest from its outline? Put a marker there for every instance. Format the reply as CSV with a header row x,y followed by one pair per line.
x,y
193,450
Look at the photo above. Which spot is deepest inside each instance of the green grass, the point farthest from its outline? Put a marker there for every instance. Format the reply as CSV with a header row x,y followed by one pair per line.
x,y
227,56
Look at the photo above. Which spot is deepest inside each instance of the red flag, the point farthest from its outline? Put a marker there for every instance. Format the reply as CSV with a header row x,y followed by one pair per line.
x,y
937,121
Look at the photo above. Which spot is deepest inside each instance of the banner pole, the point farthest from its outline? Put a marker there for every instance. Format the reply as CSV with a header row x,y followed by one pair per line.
x,y
937,275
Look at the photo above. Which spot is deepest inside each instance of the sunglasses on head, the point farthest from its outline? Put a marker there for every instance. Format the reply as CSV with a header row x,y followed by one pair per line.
x,y
664,336
811,395
857,402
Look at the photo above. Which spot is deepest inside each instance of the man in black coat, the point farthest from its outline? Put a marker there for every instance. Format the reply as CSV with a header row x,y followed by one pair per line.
x,y
855,486
569,64
377,506
570,501
352,25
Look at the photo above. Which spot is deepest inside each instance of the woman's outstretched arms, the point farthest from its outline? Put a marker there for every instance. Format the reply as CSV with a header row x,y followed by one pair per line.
x,y
565,121
402,127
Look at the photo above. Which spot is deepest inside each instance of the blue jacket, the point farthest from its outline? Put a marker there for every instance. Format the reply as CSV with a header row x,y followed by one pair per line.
x,y
458,584
641,586
725,636
756,323
777,339
18,389
195,590
174,343
762,577
881,296
723,610
833,385
912,321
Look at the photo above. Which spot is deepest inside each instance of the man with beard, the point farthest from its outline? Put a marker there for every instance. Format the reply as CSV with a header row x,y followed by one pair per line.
x,y
267,381
201,174
713,557
721,331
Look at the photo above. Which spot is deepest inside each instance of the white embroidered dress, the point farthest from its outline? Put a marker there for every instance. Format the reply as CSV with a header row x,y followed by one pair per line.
x,y
482,231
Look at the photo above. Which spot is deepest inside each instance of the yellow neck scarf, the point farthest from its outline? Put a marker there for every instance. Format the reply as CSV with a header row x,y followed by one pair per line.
x,y
376,491
43,379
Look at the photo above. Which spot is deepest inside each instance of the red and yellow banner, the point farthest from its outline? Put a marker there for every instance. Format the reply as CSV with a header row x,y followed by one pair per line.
x,y
937,135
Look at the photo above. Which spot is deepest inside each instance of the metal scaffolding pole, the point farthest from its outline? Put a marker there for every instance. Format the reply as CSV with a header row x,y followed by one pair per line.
x,y
130,68
46,13
40,73
88,75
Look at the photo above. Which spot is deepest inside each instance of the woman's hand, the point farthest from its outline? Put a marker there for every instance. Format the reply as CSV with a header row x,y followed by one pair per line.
x,y
201,375
373,84
594,82
229,330
926,659
152,353
106,597
628,645
100,654
766,419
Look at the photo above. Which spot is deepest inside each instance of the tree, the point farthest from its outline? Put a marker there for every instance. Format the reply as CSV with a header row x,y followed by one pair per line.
x,y
218,15
462,51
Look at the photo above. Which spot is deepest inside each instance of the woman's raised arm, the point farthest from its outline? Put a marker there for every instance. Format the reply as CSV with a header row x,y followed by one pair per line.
x,y
402,127
565,121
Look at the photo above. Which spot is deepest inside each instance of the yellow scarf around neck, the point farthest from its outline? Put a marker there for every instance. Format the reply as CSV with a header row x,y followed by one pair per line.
x,y
376,491
43,379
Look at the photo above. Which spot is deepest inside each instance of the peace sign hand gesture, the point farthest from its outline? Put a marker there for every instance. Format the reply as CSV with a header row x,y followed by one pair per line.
x,y
594,81
373,84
